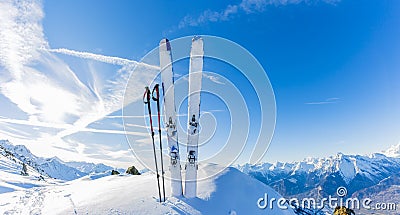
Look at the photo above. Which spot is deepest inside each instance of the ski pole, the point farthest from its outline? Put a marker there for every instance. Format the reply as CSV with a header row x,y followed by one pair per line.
x,y
146,100
157,99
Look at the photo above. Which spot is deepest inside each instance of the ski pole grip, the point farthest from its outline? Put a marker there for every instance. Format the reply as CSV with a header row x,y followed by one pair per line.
x,y
146,95
155,98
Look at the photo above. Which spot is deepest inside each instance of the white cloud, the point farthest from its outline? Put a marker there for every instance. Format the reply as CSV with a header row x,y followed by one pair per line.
x,y
246,6
9,132
213,78
34,123
114,117
21,34
49,92
326,101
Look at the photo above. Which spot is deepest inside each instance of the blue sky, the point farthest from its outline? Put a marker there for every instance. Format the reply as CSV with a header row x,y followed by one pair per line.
x,y
333,66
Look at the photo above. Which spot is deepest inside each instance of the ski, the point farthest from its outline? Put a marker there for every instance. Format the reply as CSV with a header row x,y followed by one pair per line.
x,y
167,78
146,100
195,79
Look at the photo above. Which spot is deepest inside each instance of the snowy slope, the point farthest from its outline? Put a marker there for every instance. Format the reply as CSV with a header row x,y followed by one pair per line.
x,y
229,192
53,167
11,178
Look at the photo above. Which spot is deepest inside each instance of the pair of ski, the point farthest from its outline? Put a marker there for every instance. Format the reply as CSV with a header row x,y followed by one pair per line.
x,y
195,79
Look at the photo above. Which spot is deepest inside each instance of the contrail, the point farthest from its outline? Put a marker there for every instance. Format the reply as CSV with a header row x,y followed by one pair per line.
x,y
105,131
102,58
35,123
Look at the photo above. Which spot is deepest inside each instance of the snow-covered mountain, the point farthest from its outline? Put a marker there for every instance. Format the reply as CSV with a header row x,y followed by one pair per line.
x,y
230,192
393,151
89,167
16,175
51,167
355,172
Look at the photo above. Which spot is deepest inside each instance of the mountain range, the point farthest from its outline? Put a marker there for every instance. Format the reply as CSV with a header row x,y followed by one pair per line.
x,y
374,176
49,167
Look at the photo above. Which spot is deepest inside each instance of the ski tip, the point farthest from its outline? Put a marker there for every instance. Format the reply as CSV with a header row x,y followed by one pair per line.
x,y
164,43
197,47
196,38
164,40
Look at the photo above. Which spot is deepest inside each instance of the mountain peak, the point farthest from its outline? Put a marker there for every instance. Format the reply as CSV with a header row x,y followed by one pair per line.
x,y
6,144
55,158
393,151
20,150
340,155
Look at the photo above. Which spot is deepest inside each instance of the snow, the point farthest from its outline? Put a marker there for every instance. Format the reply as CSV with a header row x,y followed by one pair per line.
x,y
305,166
280,167
89,168
230,192
10,173
12,180
346,167
52,167
56,168
393,151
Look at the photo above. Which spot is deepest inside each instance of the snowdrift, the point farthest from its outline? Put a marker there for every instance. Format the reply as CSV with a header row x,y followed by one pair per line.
x,y
230,192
